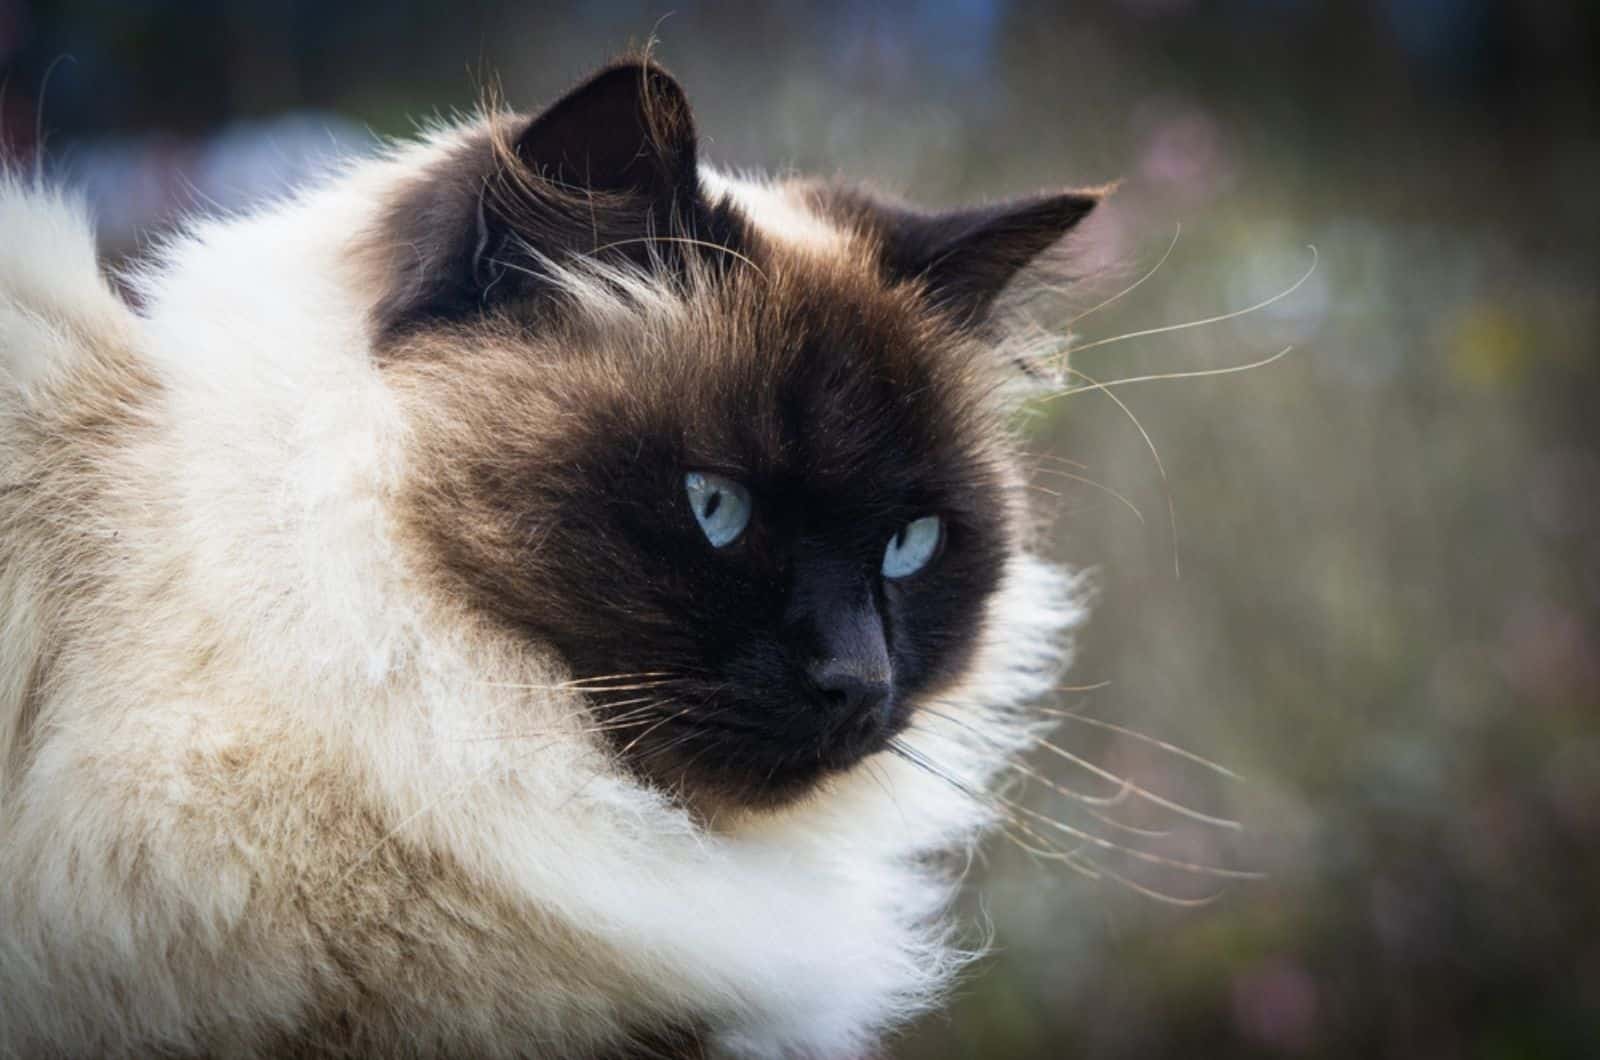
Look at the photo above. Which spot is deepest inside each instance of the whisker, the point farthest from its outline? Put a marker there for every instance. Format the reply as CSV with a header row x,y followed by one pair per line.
x,y
1135,285
1160,896
528,734
623,676
1013,813
576,682
916,757
691,734
1136,789
1196,374
1087,801
1133,852
1116,799
664,720
1133,734
1141,792
1106,801
1051,456
1233,315
627,719
1097,485
1161,467
1123,826
573,687
875,771
1073,858
1011,821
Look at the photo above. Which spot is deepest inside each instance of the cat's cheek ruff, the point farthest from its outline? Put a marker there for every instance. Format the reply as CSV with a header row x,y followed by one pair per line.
x,y
275,758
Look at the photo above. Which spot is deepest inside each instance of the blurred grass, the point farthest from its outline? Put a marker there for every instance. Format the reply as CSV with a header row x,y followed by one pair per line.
x,y
1387,613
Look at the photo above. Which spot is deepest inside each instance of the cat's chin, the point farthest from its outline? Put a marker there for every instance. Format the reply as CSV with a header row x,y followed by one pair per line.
x,y
752,784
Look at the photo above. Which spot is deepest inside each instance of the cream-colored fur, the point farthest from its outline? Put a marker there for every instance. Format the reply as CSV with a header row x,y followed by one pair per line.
x,y
252,777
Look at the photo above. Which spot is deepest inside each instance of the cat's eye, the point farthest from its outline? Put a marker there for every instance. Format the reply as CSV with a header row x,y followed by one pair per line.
x,y
721,506
913,547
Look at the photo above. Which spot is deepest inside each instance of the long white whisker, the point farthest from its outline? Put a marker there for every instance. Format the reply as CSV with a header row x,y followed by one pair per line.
x,y
1141,792
1136,284
1102,487
1132,852
1012,823
1220,318
1161,467
1133,734
1196,374
1120,796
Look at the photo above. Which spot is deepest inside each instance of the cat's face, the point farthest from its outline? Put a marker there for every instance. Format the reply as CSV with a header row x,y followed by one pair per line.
x,y
754,488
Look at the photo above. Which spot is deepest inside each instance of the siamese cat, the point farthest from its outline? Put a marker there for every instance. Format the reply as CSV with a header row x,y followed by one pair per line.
x,y
529,595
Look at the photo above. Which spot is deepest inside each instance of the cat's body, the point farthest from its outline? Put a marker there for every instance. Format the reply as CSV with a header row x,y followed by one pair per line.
x,y
282,770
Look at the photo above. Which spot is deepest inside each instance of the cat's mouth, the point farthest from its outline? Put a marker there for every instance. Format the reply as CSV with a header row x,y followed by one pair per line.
x,y
714,752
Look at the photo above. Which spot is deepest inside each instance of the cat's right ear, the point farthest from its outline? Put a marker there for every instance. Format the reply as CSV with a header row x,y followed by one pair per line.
x,y
601,172
963,259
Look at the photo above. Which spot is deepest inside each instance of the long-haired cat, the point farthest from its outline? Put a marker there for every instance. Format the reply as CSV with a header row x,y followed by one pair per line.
x,y
468,608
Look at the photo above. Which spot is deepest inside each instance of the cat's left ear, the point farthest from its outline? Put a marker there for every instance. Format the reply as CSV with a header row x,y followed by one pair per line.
x,y
605,173
626,131
965,258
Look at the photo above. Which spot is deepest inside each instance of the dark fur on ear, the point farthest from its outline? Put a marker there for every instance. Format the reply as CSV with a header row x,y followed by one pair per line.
x,y
608,170
626,130
966,257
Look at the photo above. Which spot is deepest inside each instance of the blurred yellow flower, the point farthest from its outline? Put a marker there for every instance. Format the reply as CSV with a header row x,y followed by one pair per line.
x,y
1489,346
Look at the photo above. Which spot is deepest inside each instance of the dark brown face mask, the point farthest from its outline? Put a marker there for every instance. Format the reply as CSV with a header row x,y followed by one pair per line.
x,y
844,399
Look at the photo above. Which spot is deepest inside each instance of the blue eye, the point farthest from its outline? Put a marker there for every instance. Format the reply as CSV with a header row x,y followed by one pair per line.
x,y
721,506
911,549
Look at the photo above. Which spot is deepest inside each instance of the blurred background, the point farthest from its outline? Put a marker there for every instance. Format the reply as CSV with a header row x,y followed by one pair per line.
x,y
1368,580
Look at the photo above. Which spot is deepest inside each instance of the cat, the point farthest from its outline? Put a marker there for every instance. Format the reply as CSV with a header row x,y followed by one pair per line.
x,y
528,594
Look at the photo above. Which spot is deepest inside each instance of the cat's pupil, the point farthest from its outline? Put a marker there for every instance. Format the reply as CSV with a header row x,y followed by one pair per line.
x,y
712,504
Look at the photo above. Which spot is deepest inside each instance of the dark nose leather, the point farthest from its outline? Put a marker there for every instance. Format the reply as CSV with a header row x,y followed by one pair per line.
x,y
851,684
852,673
833,609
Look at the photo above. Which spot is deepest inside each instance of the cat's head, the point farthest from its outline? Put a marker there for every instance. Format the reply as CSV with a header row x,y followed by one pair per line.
x,y
734,451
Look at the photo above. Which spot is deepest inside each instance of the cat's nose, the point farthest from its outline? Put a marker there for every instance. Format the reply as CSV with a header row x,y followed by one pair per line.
x,y
835,616
853,684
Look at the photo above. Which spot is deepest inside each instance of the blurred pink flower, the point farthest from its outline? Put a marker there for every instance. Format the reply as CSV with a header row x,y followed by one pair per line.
x,y
1548,654
1183,151
1275,1004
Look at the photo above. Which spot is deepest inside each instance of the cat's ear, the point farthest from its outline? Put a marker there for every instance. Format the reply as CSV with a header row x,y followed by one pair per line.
x,y
627,130
601,173
967,257
964,258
